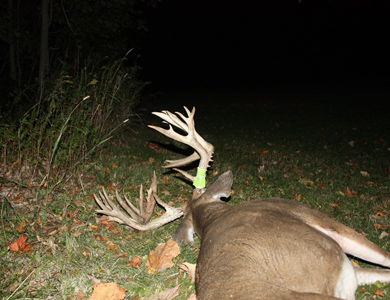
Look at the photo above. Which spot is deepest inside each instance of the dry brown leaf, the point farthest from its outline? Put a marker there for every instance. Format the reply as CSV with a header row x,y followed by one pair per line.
x,y
350,193
382,227
22,228
379,293
161,258
192,297
20,245
189,269
108,291
169,294
136,263
355,264
166,179
383,235
381,213
365,173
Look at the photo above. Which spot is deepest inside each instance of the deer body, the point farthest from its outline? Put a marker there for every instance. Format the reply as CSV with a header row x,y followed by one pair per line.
x,y
271,249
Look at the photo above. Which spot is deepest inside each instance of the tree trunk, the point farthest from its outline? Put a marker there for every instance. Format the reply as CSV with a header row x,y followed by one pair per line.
x,y
44,51
12,59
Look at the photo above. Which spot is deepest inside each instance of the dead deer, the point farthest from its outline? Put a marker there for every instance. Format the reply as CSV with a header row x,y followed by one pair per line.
x,y
263,249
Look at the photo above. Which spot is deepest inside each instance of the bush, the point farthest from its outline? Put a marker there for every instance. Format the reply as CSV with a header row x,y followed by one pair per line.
x,y
78,113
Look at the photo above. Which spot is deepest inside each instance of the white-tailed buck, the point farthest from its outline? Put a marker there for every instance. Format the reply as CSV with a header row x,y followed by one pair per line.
x,y
262,249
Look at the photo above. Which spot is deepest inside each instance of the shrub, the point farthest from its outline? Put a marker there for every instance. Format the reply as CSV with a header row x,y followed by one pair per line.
x,y
79,112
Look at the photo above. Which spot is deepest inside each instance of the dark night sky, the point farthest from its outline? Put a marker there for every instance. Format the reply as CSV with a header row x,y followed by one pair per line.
x,y
220,44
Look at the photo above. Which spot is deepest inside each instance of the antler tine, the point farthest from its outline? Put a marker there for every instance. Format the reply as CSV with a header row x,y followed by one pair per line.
x,y
184,173
182,162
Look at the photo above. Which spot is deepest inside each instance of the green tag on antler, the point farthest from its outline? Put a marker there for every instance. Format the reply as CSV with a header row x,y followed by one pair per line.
x,y
200,179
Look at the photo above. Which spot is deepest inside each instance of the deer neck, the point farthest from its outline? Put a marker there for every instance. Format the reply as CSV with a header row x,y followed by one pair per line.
x,y
204,215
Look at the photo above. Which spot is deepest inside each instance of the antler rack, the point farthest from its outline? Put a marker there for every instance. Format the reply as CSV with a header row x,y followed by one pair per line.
x,y
203,150
141,218
137,218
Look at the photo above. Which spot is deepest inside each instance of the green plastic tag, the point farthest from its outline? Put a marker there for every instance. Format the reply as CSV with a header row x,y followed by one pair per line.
x,y
200,179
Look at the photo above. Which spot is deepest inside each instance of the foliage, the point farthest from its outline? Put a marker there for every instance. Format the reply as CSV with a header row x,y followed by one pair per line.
x,y
80,113
80,31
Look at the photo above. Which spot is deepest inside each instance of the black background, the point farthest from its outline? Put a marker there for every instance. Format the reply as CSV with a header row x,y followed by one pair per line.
x,y
219,45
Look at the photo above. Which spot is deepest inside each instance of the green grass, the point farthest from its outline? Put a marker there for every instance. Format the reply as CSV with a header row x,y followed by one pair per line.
x,y
297,151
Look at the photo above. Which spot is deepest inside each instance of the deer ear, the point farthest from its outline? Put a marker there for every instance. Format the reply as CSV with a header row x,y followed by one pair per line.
x,y
221,188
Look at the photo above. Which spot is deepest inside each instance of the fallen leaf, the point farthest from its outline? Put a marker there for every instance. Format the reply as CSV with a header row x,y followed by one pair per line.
x,y
192,297
20,245
108,291
352,143
114,248
381,227
298,197
111,188
169,294
189,269
78,203
72,215
383,235
166,179
136,263
108,225
381,213
81,295
350,193
161,258
355,264
365,173
379,293
22,228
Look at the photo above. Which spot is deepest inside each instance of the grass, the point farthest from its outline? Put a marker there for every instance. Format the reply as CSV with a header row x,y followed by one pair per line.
x,y
292,150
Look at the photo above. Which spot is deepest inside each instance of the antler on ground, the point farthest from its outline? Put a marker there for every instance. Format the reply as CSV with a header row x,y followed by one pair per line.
x,y
137,218
203,149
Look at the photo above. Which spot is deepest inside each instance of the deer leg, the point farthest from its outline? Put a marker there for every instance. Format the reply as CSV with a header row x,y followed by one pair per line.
x,y
356,245
185,232
370,276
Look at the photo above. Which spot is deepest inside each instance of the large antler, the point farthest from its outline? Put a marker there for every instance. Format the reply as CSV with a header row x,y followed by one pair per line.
x,y
137,218
203,149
